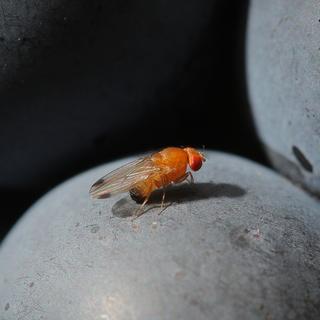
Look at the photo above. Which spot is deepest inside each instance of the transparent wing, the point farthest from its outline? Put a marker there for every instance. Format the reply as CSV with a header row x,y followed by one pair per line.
x,y
124,178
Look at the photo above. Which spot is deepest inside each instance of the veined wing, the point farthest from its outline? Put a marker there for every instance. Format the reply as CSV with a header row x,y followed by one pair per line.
x,y
124,178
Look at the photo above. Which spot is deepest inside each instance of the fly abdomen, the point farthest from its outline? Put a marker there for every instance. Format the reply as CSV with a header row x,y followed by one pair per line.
x,y
137,195
141,191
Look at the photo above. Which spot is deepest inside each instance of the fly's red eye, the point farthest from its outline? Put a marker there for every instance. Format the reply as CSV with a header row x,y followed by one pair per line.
x,y
195,162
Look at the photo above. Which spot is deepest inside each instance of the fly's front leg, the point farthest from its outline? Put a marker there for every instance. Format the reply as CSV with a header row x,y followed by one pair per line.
x,y
190,176
185,177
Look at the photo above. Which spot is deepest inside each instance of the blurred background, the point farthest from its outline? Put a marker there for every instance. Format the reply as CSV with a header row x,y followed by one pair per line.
x,y
83,83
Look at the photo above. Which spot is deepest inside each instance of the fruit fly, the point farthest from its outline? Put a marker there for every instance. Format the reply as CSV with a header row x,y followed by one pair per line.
x,y
142,176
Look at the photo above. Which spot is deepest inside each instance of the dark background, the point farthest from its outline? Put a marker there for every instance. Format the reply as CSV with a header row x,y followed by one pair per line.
x,y
84,83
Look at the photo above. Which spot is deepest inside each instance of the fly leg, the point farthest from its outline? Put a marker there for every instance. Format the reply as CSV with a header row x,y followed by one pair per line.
x,y
162,202
139,211
164,183
188,177
185,177
191,181
163,197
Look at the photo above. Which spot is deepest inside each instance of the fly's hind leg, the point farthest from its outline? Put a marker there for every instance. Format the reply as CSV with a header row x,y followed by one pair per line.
x,y
163,197
164,183
163,207
139,211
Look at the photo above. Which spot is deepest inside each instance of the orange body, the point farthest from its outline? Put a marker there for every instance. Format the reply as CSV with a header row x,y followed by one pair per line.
x,y
172,162
143,176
